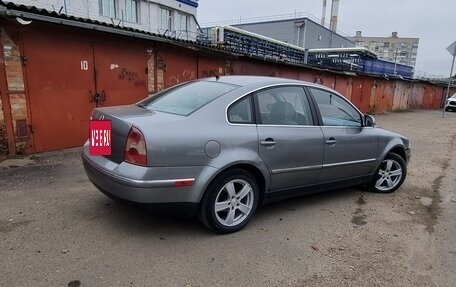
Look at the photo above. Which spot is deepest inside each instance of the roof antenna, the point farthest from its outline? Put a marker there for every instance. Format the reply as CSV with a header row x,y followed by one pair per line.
x,y
217,77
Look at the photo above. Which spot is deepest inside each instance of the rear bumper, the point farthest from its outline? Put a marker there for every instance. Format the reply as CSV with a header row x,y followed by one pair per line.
x,y
145,184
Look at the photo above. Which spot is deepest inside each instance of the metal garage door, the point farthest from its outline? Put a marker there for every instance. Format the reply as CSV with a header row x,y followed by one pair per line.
x,y
68,74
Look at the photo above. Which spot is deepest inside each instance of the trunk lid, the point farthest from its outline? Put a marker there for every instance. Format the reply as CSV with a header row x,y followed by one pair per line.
x,y
122,119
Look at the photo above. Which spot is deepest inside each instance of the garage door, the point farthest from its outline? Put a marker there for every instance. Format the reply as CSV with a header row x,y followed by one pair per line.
x,y
68,75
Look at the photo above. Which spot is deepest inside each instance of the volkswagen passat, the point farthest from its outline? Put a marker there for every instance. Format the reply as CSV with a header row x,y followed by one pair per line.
x,y
221,147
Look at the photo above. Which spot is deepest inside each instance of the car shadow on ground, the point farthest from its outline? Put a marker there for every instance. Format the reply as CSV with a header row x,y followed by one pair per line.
x,y
141,219
138,219
309,200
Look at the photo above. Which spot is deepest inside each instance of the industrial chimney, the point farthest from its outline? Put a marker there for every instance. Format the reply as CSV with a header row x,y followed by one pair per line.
x,y
323,14
334,15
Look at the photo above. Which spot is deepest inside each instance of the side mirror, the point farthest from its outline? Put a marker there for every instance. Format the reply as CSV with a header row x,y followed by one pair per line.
x,y
369,121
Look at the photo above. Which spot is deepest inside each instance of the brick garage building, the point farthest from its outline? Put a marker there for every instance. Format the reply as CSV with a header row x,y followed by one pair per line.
x,y
56,69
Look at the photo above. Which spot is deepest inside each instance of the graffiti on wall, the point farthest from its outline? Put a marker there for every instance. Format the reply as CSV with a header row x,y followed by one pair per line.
x,y
128,75
209,73
186,75
131,77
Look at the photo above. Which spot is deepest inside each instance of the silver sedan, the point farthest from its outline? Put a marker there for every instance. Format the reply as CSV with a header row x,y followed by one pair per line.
x,y
221,147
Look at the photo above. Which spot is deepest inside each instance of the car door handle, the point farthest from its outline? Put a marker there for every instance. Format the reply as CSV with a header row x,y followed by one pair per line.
x,y
268,142
331,141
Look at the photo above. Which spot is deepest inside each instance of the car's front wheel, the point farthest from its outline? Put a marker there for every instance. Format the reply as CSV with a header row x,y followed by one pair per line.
x,y
230,201
390,175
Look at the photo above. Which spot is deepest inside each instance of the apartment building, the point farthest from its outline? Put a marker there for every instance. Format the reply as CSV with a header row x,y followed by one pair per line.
x,y
395,49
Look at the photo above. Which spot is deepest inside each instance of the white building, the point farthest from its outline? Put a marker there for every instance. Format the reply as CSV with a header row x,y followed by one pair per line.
x,y
173,18
393,48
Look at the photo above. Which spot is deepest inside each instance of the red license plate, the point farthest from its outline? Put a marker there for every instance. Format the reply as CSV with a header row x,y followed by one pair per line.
x,y
100,137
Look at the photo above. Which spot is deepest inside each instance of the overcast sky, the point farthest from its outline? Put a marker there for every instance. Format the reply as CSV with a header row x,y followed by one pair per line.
x,y
432,21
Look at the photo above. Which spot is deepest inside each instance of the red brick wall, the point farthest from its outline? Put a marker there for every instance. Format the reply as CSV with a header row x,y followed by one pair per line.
x,y
16,88
3,137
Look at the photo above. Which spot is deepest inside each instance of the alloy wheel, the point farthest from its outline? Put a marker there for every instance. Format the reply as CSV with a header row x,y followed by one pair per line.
x,y
234,202
389,175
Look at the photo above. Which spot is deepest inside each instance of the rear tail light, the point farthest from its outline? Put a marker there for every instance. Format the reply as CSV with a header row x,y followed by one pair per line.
x,y
135,148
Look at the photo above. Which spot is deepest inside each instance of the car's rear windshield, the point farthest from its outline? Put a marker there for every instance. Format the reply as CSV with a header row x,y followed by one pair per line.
x,y
187,98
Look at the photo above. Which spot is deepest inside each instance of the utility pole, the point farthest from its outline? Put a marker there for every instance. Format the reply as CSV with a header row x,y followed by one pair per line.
x,y
395,61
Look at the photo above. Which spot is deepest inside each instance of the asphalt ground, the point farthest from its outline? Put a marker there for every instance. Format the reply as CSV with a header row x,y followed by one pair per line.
x,y
56,229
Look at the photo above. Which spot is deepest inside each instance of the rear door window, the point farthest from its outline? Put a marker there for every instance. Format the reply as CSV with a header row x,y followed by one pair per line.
x,y
284,106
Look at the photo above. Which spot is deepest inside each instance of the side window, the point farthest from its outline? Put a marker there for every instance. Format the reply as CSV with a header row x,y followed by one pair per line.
x,y
334,110
241,111
284,106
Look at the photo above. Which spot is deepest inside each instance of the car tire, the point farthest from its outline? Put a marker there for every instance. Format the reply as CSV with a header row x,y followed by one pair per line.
x,y
390,175
447,109
230,201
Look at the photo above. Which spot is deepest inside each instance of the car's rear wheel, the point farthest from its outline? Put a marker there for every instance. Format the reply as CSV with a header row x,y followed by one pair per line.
x,y
390,175
230,201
